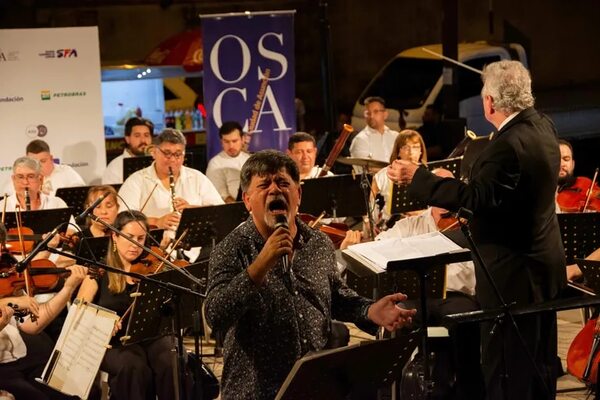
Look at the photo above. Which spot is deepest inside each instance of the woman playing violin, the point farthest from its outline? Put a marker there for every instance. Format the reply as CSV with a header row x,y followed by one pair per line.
x,y
409,146
106,211
151,360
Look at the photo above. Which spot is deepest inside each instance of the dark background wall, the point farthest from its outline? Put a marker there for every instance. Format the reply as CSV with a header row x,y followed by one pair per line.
x,y
561,37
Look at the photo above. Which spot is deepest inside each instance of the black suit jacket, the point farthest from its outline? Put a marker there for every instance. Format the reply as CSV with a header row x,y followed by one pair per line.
x,y
511,191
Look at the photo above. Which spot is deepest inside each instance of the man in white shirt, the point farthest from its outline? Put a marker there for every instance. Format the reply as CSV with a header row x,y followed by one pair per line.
x,y
165,188
224,169
27,183
138,136
55,175
376,140
302,148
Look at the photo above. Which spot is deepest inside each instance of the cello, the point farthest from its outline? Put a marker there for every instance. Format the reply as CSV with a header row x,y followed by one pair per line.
x,y
583,355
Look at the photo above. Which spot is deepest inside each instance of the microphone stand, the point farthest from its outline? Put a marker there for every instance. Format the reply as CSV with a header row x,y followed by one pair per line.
x,y
465,215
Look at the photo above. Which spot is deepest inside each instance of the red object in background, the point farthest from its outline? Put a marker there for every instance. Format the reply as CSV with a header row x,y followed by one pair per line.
x,y
184,49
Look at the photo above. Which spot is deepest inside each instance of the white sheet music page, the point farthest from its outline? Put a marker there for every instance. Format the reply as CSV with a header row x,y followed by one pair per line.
x,y
80,348
377,254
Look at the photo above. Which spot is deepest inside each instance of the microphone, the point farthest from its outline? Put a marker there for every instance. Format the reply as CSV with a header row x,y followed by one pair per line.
x,y
21,265
27,200
81,217
281,221
464,214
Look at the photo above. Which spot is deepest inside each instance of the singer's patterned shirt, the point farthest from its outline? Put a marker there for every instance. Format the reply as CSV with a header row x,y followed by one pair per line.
x,y
268,328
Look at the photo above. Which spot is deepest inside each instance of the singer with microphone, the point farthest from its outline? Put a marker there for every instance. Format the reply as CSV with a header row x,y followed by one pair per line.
x,y
27,182
274,288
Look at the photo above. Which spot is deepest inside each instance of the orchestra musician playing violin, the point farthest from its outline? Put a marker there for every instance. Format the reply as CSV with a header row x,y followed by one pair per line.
x,y
510,192
573,192
27,182
138,371
162,190
273,286
24,347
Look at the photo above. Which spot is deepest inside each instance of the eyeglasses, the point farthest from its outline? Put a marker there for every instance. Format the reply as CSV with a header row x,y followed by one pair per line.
x,y
28,177
373,112
169,155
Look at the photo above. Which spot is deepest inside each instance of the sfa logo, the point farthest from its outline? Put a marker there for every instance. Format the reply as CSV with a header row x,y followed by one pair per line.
x,y
60,53
238,80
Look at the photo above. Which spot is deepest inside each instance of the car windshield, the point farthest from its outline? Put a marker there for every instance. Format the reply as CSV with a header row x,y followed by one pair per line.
x,y
405,83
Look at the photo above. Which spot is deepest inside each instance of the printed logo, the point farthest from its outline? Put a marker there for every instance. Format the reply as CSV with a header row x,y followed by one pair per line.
x,y
60,53
45,95
11,55
48,95
34,131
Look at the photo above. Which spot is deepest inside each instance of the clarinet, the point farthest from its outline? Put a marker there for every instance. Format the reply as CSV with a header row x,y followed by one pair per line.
x,y
172,188
27,200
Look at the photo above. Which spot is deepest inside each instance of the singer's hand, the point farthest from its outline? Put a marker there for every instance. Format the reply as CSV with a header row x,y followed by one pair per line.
x,y
278,244
388,314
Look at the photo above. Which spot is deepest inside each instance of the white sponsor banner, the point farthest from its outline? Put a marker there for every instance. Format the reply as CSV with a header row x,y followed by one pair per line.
x,y
50,90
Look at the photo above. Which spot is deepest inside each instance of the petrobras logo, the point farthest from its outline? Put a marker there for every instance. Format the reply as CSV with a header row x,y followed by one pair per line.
x,y
9,55
60,53
48,95
11,99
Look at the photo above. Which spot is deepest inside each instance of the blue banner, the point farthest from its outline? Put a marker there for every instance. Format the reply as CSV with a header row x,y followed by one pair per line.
x,y
249,77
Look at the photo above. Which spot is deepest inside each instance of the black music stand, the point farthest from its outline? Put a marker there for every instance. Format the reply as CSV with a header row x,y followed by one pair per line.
x,y
352,372
423,267
208,225
41,221
591,273
451,164
152,312
133,164
93,248
579,233
75,196
338,196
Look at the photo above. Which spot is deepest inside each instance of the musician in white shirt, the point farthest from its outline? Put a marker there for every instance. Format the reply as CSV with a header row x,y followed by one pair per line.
x,y
224,169
149,189
138,136
302,148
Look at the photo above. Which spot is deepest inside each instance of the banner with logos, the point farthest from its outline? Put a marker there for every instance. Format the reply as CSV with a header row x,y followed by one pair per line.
x,y
249,77
50,90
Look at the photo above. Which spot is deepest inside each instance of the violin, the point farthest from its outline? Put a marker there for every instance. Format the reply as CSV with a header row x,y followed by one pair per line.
x,y
583,356
583,195
42,275
149,264
19,314
335,231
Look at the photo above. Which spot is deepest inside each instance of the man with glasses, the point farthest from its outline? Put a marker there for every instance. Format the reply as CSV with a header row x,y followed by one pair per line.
x,y
138,136
376,140
149,190
27,183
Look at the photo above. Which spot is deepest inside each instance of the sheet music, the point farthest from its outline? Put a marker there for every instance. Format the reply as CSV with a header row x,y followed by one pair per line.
x,y
377,254
79,350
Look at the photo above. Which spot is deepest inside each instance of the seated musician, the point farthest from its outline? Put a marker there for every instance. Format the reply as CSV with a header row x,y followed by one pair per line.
x,y
27,183
149,189
24,347
302,148
408,146
138,371
223,170
460,297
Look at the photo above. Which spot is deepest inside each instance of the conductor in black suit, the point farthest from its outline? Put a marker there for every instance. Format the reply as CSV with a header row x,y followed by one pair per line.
x,y
511,192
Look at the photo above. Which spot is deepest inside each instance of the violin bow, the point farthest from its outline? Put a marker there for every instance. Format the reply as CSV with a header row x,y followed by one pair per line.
x,y
148,198
590,190
22,243
173,248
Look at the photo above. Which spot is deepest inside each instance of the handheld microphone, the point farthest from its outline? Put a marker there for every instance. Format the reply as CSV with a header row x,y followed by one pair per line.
x,y
27,200
281,221
81,217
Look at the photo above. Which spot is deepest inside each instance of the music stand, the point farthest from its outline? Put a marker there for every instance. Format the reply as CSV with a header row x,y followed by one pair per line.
x,y
591,273
208,225
93,248
133,164
151,314
40,220
348,372
75,196
451,164
579,233
338,196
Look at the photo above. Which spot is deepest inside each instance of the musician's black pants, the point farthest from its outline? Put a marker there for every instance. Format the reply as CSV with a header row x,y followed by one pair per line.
x,y
18,377
141,371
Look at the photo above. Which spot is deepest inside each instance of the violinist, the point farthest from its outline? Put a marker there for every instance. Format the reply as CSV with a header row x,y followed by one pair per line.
x,y
572,192
150,190
302,148
138,371
409,146
24,347
27,182
106,211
